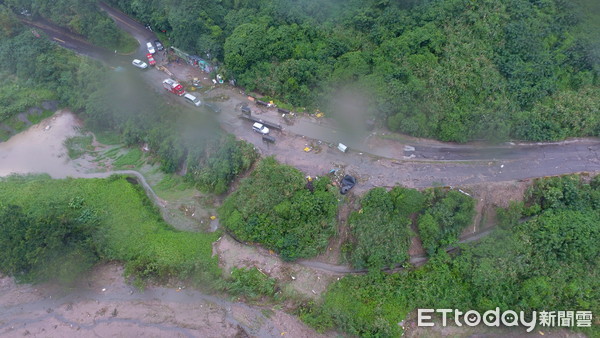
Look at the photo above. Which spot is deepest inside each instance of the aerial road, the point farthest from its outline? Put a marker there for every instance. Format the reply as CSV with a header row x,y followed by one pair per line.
x,y
375,159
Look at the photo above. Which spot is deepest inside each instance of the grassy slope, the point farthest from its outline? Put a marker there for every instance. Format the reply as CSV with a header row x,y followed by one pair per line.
x,y
131,229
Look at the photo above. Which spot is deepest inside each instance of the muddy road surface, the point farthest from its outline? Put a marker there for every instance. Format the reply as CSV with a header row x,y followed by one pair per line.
x,y
376,158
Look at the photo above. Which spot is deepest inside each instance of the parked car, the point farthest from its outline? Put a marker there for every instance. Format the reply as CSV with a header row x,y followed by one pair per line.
x,y
151,60
159,46
150,48
139,63
260,128
192,99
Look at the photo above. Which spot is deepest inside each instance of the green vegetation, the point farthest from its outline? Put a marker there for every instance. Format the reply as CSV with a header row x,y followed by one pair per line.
x,y
250,283
78,145
37,118
173,186
381,234
80,16
448,214
132,158
549,261
230,158
443,69
381,231
278,208
39,70
52,242
108,137
107,218
15,124
17,96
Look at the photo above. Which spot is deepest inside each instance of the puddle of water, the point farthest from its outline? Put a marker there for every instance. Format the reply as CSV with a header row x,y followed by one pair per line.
x,y
40,149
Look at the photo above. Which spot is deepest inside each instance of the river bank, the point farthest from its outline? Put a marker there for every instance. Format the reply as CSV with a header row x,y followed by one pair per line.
x,y
103,302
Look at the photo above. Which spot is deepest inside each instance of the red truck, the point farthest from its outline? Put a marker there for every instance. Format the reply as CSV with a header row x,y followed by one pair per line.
x,y
173,86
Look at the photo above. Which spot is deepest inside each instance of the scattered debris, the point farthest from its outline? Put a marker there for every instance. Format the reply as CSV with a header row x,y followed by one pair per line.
x,y
347,183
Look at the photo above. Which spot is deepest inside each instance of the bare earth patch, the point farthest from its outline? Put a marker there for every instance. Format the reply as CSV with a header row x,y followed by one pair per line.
x,y
307,282
103,304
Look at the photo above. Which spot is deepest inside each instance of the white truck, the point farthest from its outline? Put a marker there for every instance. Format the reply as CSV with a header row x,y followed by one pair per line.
x,y
173,86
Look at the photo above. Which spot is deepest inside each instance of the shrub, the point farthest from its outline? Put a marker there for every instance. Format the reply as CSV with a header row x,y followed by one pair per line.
x,y
250,283
275,208
381,232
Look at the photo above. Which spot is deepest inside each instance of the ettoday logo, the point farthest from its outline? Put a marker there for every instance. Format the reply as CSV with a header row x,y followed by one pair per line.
x,y
507,318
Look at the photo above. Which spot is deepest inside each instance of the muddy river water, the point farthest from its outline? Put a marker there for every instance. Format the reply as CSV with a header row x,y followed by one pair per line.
x,y
40,148
103,303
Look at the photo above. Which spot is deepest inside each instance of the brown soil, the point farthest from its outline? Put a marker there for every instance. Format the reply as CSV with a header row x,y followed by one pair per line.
x,y
302,281
489,197
104,305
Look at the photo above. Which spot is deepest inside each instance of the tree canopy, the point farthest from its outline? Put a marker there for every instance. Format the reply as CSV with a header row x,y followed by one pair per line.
x,y
544,262
276,207
451,70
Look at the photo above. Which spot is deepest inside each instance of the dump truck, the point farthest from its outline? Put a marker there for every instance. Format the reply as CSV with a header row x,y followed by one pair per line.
x,y
173,86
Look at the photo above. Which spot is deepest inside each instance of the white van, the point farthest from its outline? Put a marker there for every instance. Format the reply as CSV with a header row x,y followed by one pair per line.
x,y
192,99
150,48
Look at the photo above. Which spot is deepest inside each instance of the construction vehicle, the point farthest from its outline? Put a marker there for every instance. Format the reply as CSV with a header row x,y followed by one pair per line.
x,y
173,86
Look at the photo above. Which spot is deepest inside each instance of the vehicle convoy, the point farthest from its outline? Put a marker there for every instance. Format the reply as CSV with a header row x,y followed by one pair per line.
x,y
173,86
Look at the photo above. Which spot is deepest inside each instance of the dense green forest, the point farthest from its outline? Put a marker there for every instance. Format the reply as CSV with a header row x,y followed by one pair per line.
x,y
454,70
548,261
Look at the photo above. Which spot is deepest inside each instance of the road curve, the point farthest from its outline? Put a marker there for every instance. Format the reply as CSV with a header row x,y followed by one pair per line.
x,y
581,154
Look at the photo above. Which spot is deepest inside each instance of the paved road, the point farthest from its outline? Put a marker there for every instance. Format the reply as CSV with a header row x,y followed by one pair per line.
x,y
412,162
